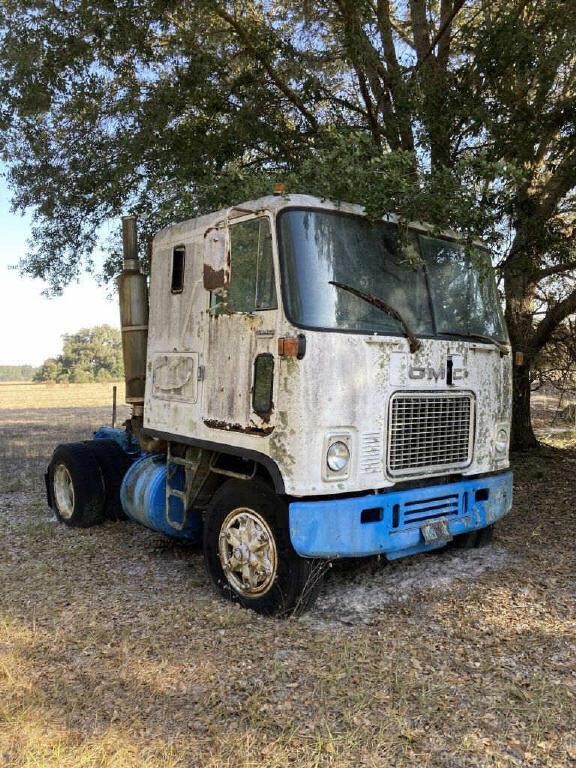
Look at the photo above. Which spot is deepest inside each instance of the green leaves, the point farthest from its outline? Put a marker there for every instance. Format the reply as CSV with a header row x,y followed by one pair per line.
x,y
462,116
90,354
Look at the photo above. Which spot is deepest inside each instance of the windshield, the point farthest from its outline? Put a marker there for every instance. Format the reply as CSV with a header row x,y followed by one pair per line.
x,y
442,290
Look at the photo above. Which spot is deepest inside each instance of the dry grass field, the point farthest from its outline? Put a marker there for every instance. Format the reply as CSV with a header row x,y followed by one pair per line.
x,y
115,652
20,395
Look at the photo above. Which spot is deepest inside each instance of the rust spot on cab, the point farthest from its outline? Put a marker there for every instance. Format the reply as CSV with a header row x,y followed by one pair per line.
x,y
217,424
214,279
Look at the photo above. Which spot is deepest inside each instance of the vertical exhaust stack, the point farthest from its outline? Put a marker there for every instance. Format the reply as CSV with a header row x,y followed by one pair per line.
x,y
133,297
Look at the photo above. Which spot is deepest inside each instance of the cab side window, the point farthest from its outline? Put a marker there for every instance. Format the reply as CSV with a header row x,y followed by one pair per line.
x,y
178,264
252,270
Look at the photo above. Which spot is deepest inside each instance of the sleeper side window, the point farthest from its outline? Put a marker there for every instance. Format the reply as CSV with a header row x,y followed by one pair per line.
x,y
178,264
252,270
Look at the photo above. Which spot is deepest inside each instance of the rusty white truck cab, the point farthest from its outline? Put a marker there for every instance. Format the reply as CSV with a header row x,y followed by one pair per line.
x,y
320,386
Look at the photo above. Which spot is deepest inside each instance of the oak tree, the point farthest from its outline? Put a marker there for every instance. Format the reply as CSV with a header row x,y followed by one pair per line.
x,y
459,113
90,354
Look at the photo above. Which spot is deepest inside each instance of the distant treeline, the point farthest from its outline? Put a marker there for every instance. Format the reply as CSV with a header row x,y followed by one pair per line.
x,y
17,372
90,354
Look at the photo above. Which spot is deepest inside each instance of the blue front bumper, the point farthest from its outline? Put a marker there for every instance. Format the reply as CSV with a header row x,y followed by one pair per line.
x,y
394,523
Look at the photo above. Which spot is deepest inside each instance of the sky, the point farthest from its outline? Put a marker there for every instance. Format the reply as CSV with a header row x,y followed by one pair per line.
x,y
31,325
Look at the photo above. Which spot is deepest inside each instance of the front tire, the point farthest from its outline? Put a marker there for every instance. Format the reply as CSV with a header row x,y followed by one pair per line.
x,y
249,555
475,539
75,486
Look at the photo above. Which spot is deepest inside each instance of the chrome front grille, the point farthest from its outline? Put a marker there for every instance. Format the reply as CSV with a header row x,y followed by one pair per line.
x,y
430,431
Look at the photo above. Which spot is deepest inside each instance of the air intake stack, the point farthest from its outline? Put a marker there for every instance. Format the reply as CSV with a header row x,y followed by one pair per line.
x,y
133,297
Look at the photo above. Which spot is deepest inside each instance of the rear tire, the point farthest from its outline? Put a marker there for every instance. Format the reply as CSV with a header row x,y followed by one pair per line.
x,y
249,555
76,487
465,540
114,464
474,539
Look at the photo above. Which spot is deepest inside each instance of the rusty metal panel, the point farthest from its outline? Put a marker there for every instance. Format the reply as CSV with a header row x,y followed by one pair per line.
x,y
216,266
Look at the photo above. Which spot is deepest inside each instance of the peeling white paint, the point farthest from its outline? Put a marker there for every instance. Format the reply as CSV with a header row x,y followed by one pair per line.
x,y
343,385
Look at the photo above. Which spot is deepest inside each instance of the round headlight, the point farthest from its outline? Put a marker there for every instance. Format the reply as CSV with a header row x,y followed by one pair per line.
x,y
501,440
338,456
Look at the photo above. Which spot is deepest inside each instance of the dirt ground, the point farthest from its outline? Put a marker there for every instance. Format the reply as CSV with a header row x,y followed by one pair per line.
x,y
116,653
553,412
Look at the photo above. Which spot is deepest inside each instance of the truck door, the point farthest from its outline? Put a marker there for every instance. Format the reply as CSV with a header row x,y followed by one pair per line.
x,y
241,340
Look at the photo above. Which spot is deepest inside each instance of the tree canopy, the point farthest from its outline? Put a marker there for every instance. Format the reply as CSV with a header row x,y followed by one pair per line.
x,y
459,113
90,354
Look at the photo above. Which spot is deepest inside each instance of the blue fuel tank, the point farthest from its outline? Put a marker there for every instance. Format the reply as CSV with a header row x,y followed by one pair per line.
x,y
143,497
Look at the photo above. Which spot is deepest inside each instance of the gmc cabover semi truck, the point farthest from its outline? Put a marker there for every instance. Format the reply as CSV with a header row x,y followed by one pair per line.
x,y
305,385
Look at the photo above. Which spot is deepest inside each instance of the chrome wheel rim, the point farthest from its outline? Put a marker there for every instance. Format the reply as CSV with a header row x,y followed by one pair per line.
x,y
63,491
247,551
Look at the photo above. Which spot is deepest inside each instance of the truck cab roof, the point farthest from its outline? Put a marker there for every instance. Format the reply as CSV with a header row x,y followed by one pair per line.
x,y
275,203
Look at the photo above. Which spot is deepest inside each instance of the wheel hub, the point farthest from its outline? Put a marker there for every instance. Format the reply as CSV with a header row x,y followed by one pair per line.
x,y
248,552
63,491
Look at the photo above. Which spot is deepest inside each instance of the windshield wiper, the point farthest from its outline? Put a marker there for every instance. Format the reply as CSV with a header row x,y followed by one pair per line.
x,y
502,348
380,304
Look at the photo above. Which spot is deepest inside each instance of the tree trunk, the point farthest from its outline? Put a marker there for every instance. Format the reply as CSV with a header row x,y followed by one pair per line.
x,y
523,437
519,292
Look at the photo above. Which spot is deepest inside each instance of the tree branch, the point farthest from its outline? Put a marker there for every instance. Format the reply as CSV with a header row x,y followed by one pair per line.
x,y
447,14
372,121
420,29
401,33
438,37
552,319
367,63
344,103
556,269
283,87
558,185
397,86
385,29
